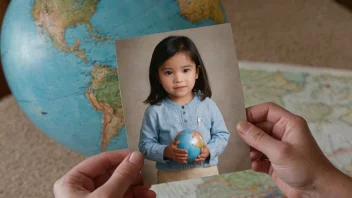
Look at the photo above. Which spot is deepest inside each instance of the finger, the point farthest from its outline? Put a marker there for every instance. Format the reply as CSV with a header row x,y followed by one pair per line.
x,y
181,158
255,154
181,155
137,191
143,186
266,126
96,165
258,139
142,191
199,159
100,180
203,155
252,149
123,177
128,193
180,151
138,180
274,130
261,166
173,143
266,112
182,161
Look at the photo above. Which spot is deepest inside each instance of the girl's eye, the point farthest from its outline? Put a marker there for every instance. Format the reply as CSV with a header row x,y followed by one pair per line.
x,y
168,72
186,70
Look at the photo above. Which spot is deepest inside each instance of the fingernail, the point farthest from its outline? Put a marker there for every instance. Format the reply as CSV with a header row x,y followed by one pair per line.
x,y
136,158
243,126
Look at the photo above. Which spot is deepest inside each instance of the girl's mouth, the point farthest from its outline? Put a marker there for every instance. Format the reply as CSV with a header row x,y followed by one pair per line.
x,y
178,88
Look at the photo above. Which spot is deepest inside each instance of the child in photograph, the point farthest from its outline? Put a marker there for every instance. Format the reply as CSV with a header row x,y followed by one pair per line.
x,y
180,100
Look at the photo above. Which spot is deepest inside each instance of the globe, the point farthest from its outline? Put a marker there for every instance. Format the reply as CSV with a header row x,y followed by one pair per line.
x,y
59,61
191,141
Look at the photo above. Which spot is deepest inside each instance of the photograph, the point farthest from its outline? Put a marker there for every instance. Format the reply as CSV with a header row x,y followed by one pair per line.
x,y
182,97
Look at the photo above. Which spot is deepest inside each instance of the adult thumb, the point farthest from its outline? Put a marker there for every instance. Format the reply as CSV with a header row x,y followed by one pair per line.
x,y
258,139
123,176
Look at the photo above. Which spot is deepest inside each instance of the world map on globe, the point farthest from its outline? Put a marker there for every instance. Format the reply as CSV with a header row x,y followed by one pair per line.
x,y
191,141
60,63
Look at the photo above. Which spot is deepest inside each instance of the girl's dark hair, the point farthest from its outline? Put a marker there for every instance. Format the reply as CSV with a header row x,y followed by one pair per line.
x,y
167,48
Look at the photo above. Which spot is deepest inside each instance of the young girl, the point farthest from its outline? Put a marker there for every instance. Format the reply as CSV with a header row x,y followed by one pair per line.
x,y
180,100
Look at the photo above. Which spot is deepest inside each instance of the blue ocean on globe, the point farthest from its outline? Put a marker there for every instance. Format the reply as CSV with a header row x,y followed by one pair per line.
x,y
59,61
192,142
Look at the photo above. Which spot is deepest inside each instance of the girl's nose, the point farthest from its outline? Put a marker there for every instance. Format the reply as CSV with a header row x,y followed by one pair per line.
x,y
178,78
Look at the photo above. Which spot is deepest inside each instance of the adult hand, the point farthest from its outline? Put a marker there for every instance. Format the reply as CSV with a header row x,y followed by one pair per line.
x,y
110,174
283,147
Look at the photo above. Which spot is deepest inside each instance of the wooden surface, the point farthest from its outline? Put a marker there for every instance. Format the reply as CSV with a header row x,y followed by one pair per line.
x,y
4,90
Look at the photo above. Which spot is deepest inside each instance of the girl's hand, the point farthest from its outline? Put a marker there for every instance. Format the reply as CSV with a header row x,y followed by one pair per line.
x,y
172,152
203,155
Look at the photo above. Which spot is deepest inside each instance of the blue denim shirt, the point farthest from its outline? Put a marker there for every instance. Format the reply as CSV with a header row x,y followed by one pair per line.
x,y
163,121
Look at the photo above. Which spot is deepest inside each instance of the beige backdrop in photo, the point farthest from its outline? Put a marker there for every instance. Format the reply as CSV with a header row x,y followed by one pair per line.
x,y
217,49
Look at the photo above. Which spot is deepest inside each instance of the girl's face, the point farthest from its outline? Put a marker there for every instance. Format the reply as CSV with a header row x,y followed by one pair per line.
x,y
178,76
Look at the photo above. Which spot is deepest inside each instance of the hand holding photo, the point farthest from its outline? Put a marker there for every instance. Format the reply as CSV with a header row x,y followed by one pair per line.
x,y
171,111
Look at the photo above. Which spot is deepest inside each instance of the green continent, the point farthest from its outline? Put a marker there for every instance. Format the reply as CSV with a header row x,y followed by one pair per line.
x,y
347,114
238,183
70,12
245,179
336,90
313,112
104,95
54,17
262,86
109,91
330,78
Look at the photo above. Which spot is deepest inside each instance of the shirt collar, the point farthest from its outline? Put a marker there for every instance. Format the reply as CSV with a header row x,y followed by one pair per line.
x,y
194,101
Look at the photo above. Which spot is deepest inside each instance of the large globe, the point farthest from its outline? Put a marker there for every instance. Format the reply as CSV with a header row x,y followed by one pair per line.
x,y
59,60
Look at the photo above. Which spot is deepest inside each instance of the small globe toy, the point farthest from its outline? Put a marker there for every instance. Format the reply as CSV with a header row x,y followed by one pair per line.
x,y
191,141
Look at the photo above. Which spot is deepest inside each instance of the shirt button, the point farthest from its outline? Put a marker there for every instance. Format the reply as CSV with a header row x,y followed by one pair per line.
x,y
183,107
185,121
184,112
